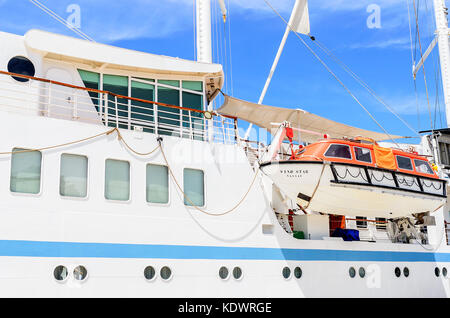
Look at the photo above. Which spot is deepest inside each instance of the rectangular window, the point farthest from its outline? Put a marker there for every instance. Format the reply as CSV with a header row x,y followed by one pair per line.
x,y
422,166
339,151
361,223
363,154
73,176
168,117
193,121
117,180
157,184
117,85
91,80
25,171
142,114
381,223
404,163
194,187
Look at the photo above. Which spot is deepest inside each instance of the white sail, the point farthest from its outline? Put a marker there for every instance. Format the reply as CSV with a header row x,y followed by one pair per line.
x,y
299,21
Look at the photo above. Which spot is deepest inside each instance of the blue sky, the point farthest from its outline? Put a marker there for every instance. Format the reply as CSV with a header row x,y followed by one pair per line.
x,y
380,56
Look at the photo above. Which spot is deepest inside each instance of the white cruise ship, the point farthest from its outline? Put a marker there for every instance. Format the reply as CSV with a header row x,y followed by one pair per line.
x,y
119,179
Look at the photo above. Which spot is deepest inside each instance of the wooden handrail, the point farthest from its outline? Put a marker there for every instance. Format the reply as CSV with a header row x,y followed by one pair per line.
x,y
107,92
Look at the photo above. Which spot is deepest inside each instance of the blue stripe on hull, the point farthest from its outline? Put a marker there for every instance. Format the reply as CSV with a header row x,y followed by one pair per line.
x,y
109,250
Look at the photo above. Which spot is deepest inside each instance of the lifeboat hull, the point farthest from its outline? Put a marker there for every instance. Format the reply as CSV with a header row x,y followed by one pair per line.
x,y
356,190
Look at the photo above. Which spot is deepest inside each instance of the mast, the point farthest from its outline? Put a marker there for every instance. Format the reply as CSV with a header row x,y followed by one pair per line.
x,y
442,34
203,21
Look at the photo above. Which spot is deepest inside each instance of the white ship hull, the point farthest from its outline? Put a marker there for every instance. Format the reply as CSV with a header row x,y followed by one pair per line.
x,y
116,241
314,186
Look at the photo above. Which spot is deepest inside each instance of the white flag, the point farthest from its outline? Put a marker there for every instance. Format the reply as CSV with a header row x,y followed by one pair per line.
x,y
299,21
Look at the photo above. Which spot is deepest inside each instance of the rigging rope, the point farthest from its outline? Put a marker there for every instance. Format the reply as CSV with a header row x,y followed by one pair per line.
x,y
423,64
362,83
332,73
61,20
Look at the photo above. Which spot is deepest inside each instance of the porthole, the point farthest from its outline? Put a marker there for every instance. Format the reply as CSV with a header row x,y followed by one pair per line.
x,y
298,272
286,272
166,273
23,66
223,272
352,272
406,271
437,272
60,273
398,272
80,273
362,272
149,273
444,272
237,273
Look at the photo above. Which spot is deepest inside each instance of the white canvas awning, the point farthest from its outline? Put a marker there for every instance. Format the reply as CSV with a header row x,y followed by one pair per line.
x,y
264,117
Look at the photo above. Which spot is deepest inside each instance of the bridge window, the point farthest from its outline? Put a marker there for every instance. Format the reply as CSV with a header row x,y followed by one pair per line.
x,y
194,187
169,118
170,121
142,114
73,176
117,85
157,184
404,163
339,151
422,166
363,154
25,171
117,180
91,80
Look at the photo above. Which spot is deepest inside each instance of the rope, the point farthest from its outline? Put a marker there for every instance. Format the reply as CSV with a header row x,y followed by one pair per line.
x,y
61,145
363,84
192,203
122,140
333,74
423,65
119,136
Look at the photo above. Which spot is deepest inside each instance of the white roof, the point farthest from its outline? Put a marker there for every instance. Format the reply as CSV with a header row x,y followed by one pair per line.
x,y
264,116
65,47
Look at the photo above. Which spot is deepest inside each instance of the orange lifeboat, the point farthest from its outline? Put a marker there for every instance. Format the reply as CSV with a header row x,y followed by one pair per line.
x,y
358,177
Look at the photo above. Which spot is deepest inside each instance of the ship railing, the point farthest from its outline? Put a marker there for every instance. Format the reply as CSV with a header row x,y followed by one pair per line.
x,y
43,97
353,174
253,149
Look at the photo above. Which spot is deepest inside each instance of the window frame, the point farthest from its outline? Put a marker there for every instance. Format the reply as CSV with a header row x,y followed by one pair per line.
x,y
66,197
410,160
364,220
41,181
204,189
370,153
169,194
429,166
337,144
104,182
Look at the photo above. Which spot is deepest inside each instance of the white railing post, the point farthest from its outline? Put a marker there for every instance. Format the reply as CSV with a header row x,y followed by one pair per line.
x,y
49,97
116,111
